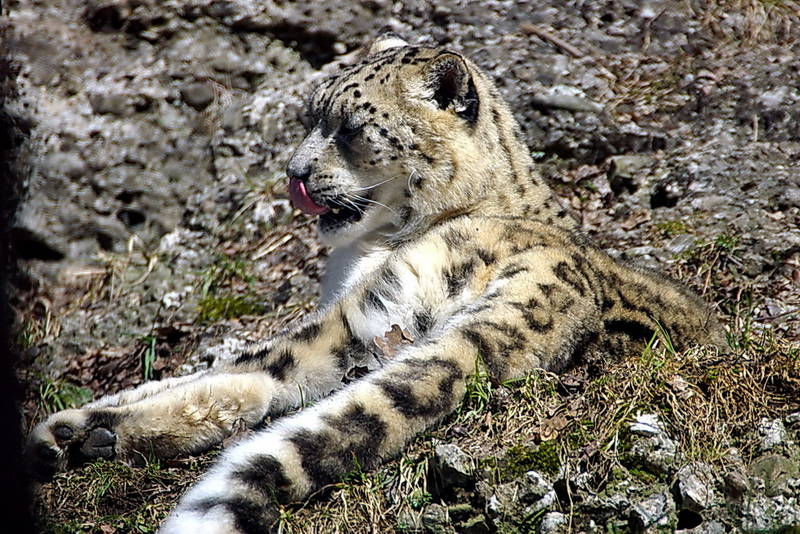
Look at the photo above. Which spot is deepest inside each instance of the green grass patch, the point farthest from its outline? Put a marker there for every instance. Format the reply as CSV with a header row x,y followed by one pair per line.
x,y
672,228
57,395
228,306
519,459
218,298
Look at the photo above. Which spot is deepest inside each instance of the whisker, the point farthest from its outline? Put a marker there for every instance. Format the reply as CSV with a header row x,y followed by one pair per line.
x,y
369,200
410,176
375,185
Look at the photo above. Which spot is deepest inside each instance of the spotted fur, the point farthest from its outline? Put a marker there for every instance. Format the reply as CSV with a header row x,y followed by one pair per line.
x,y
442,226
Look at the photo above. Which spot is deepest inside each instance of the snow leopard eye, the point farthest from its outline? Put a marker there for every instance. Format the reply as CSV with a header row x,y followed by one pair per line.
x,y
349,130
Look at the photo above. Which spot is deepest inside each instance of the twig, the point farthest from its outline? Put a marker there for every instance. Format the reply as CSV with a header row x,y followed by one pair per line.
x,y
530,29
269,248
545,35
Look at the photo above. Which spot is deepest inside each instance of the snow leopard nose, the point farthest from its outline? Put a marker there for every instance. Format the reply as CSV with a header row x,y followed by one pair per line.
x,y
303,162
298,170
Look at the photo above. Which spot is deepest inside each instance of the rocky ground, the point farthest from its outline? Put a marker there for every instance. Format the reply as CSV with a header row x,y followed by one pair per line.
x,y
154,237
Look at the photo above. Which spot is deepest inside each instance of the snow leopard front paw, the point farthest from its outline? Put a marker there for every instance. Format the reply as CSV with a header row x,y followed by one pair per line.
x,y
68,438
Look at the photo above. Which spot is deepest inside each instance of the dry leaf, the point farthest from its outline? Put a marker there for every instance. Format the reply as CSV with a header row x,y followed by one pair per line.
x,y
550,427
635,219
574,379
393,340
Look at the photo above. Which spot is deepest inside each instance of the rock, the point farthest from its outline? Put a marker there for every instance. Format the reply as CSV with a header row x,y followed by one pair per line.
x,y
528,494
696,486
538,491
706,527
613,500
656,510
668,191
409,520
436,520
772,434
553,523
474,525
452,466
566,97
69,164
656,452
647,424
198,95
625,172
764,514
736,484
776,472
793,420
110,103
681,243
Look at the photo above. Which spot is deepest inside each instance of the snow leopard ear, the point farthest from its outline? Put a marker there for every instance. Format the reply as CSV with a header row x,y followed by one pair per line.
x,y
386,39
453,88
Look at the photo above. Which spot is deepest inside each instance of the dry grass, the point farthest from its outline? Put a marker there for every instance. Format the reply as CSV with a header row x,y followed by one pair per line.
x,y
109,498
750,21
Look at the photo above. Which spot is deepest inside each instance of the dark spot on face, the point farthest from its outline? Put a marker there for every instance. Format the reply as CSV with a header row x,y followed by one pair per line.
x,y
405,214
426,157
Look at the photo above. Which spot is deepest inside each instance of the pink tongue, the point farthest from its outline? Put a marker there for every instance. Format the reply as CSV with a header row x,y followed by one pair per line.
x,y
301,200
